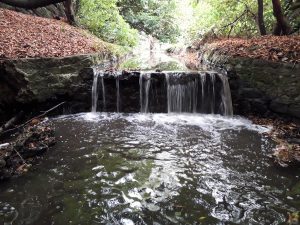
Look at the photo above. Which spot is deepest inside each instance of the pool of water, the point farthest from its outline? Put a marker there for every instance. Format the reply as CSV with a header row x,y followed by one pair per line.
x,y
153,169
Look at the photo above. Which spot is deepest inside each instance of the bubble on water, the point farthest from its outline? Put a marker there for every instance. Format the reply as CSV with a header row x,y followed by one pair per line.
x,y
126,222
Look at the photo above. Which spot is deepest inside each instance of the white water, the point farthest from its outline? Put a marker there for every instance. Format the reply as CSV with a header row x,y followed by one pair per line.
x,y
118,93
98,74
95,92
145,81
183,93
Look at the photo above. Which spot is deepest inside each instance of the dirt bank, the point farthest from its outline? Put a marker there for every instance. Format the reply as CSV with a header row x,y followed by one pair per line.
x,y
21,150
26,36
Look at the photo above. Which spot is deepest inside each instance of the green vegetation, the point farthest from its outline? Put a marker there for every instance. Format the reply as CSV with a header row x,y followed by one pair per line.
x,y
156,18
242,18
118,21
102,18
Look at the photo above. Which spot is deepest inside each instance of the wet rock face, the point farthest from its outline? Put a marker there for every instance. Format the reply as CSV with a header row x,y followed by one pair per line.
x,y
30,82
260,86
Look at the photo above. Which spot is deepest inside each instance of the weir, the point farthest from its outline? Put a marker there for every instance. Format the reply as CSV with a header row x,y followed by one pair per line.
x,y
161,92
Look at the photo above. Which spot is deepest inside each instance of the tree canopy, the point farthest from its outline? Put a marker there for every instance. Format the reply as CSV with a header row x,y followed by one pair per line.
x,y
156,18
119,21
243,18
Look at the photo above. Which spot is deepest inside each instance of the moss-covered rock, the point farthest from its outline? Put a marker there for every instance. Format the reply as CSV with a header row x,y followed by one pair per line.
x,y
26,81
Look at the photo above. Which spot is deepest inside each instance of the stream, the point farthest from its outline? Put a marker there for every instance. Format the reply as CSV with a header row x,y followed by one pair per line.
x,y
157,148
114,168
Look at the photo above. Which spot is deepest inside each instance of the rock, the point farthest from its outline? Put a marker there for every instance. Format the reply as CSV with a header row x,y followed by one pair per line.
x,y
278,107
277,83
251,93
42,80
258,106
2,163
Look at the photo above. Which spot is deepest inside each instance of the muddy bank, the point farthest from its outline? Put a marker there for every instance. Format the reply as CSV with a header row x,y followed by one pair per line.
x,y
22,149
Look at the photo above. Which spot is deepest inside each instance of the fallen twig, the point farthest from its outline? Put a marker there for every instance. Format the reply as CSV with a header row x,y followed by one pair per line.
x,y
21,157
34,118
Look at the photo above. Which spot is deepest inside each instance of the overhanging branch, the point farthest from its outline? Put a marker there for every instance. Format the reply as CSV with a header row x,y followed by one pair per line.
x,y
30,4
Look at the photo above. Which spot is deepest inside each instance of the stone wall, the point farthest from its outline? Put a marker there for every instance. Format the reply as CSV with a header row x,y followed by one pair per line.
x,y
29,84
259,86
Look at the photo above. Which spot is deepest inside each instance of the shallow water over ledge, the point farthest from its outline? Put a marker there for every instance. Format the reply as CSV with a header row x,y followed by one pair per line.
x,y
153,169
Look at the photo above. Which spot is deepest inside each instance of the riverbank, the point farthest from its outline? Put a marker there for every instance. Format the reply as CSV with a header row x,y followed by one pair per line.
x,y
270,48
24,147
264,78
41,64
26,36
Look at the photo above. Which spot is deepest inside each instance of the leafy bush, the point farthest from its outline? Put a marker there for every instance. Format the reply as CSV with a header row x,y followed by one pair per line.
x,y
102,18
155,17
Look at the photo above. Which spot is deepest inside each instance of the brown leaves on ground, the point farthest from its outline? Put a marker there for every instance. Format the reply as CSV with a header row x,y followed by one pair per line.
x,y
272,48
287,137
25,36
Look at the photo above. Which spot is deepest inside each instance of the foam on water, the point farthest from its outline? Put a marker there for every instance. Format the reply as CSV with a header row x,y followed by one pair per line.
x,y
205,121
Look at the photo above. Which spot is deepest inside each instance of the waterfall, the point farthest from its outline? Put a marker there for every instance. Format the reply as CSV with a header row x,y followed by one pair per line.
x,y
103,93
183,93
95,91
118,93
203,86
226,96
145,82
213,81
172,92
181,97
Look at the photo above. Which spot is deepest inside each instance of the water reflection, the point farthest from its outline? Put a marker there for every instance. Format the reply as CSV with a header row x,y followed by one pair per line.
x,y
154,169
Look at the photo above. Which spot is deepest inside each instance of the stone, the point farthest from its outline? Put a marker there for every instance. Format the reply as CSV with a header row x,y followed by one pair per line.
x,y
45,80
276,83
251,93
278,107
258,106
2,163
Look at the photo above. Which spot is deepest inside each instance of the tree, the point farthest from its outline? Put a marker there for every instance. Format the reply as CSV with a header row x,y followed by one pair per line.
x,y
260,18
103,19
156,18
32,4
282,26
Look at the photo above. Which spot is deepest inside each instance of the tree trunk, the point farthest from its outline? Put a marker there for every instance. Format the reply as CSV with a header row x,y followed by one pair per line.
x,y
30,4
69,10
260,17
282,26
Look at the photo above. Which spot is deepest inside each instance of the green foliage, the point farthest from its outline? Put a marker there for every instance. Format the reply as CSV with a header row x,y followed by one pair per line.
x,y
226,17
132,63
292,9
154,17
102,18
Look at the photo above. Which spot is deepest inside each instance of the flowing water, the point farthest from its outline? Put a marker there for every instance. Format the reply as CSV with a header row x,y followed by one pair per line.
x,y
110,168
178,167
189,92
